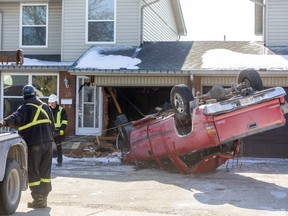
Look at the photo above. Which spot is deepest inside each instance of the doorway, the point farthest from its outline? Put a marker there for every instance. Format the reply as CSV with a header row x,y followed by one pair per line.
x,y
88,108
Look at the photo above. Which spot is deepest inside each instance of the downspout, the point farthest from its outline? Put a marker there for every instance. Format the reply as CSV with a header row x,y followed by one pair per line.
x,y
142,17
1,29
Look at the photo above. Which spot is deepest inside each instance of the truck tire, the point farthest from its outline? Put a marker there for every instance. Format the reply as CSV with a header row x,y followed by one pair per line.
x,y
180,96
251,78
10,188
124,129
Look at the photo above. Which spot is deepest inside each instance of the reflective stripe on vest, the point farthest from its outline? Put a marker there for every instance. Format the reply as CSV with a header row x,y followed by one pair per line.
x,y
58,122
35,120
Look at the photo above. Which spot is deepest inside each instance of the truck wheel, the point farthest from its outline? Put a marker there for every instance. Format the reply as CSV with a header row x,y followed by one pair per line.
x,y
251,78
124,130
180,96
10,188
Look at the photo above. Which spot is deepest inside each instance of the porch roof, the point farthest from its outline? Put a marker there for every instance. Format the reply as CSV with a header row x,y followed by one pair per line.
x,y
180,58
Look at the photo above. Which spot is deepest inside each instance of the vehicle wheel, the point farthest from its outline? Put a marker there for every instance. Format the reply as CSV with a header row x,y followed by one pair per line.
x,y
180,96
10,188
251,78
124,130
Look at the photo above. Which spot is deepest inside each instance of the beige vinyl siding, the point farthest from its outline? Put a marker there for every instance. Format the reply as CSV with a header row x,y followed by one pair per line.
x,y
159,23
10,25
268,80
1,28
159,81
54,29
276,23
74,27
217,80
11,29
73,30
128,22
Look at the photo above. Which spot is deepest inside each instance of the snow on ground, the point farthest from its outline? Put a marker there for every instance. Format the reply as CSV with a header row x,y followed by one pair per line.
x,y
115,158
111,158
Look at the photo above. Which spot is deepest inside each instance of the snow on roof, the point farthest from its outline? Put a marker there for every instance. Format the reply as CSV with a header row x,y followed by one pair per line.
x,y
124,57
94,58
229,60
37,62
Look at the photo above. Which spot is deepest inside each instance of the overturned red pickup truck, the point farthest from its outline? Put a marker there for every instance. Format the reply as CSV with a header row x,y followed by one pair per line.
x,y
198,134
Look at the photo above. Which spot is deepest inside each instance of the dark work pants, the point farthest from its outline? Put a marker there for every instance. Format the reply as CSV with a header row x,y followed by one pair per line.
x,y
39,169
58,141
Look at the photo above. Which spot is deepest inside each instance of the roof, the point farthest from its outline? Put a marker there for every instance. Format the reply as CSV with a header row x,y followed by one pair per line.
x,y
183,56
176,57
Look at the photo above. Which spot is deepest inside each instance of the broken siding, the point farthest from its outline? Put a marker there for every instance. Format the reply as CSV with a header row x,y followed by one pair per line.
x,y
11,29
276,23
74,27
158,22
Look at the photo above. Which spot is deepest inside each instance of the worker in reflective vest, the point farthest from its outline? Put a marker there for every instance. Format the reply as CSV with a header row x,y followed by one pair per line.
x,y
35,123
61,122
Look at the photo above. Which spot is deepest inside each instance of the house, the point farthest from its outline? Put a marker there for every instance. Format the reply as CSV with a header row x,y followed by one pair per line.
x,y
81,49
55,33
271,21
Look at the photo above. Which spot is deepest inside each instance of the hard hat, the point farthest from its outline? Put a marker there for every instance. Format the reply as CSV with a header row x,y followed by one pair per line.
x,y
28,90
52,98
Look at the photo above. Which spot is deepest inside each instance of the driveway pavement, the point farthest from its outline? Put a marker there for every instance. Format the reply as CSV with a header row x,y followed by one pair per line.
x,y
104,186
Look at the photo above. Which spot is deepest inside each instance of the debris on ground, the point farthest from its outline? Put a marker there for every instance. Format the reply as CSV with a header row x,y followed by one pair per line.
x,y
91,149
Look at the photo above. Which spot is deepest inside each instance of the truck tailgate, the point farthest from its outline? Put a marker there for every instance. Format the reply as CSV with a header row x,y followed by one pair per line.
x,y
249,120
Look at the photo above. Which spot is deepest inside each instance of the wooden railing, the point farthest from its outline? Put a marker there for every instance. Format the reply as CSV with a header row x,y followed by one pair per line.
x,y
12,56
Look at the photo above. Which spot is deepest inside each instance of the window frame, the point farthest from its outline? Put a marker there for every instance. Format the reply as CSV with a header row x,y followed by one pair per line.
x,y
87,26
30,75
21,25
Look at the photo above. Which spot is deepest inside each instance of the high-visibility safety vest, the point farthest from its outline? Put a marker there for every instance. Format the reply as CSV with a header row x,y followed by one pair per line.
x,y
35,120
58,121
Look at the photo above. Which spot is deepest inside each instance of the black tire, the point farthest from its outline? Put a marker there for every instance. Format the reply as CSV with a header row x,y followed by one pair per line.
x,y
180,96
124,130
251,78
10,188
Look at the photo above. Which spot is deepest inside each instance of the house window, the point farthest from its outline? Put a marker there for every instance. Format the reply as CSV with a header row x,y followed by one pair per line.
x,y
34,19
101,21
13,85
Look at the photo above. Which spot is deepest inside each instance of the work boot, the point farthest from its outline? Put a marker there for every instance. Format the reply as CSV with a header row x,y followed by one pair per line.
x,y
59,164
40,202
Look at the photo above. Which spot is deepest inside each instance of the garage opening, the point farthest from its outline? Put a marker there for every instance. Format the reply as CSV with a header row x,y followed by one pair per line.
x,y
137,102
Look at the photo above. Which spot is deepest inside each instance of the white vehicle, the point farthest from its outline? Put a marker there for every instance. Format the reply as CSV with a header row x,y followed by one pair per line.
x,y
13,171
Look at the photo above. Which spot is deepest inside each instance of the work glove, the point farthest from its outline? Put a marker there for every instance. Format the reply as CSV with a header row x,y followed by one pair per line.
x,y
61,132
2,123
